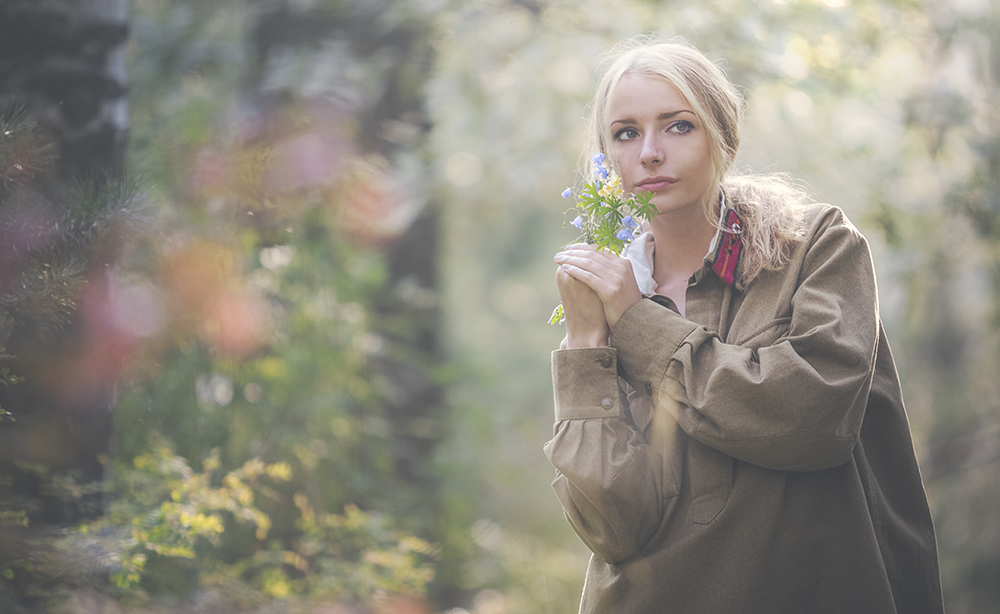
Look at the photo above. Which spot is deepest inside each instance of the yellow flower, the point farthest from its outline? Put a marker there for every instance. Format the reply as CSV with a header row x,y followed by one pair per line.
x,y
613,187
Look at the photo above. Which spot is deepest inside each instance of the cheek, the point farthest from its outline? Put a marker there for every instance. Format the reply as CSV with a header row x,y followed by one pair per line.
x,y
628,175
700,158
625,159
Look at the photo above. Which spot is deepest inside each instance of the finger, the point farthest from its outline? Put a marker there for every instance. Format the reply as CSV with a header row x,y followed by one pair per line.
x,y
564,255
564,279
584,258
579,249
602,267
569,285
584,276
606,278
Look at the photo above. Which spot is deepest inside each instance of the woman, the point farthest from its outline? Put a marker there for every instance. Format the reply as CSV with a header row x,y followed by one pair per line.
x,y
730,433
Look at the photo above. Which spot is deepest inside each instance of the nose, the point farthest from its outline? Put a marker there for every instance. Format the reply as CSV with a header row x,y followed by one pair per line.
x,y
652,152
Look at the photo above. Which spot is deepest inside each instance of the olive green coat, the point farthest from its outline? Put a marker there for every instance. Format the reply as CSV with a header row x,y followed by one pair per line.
x,y
753,456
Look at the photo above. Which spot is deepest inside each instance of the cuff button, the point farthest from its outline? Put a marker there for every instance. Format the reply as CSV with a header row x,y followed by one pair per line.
x,y
606,361
607,403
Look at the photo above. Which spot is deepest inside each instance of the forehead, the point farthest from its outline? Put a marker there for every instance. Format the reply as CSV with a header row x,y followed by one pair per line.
x,y
639,94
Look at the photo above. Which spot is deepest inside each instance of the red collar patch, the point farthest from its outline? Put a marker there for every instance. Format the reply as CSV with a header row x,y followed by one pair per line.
x,y
730,248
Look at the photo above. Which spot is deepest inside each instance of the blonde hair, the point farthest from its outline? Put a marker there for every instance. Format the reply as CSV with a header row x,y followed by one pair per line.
x,y
770,205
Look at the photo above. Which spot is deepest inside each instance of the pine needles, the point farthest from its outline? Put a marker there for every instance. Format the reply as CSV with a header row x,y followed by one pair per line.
x,y
53,234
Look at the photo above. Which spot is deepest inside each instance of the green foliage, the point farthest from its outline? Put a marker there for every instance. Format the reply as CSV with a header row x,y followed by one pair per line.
x,y
298,390
281,319
608,216
24,153
53,237
108,212
358,554
166,514
168,508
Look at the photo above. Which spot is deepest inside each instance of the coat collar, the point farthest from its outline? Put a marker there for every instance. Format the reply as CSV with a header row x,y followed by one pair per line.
x,y
728,253
724,255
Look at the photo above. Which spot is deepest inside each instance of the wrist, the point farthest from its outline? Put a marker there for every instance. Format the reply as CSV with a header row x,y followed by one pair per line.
x,y
588,340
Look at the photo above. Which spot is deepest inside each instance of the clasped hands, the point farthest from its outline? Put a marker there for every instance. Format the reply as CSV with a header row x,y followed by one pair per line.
x,y
596,288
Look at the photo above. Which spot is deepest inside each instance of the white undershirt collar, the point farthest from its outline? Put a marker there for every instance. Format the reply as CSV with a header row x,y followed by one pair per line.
x,y
640,253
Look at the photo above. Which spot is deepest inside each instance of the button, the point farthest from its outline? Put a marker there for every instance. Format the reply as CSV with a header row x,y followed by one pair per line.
x,y
606,361
607,403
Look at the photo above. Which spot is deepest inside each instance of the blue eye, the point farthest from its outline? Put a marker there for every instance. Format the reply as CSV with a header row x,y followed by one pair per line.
x,y
626,134
681,127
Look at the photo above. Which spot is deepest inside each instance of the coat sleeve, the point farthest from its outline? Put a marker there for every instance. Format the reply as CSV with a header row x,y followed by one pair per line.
x,y
609,480
796,404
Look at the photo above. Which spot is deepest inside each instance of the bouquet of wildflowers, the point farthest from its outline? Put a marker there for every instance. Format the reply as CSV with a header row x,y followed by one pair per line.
x,y
605,216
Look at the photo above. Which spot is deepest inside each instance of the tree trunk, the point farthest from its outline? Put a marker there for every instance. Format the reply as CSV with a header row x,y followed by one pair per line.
x,y
64,60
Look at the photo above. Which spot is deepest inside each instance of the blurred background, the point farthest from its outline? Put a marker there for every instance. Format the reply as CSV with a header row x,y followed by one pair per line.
x,y
275,278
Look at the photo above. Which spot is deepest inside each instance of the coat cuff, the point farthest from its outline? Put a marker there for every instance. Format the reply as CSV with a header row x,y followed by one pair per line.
x,y
646,338
585,381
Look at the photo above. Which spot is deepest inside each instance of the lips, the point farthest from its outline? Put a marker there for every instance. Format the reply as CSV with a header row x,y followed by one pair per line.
x,y
655,184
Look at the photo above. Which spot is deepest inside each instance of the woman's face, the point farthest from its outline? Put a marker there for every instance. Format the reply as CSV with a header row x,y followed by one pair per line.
x,y
660,144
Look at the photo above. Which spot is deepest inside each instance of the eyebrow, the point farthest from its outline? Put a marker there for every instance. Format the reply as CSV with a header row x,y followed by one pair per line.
x,y
663,116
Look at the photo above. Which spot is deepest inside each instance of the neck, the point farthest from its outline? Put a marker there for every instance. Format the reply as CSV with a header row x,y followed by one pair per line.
x,y
682,239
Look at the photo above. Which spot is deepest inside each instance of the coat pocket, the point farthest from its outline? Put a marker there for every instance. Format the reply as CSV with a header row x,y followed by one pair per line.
x,y
710,477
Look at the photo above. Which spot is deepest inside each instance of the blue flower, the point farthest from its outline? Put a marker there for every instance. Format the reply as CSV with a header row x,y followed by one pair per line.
x,y
624,234
600,171
578,222
567,192
598,159
629,222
